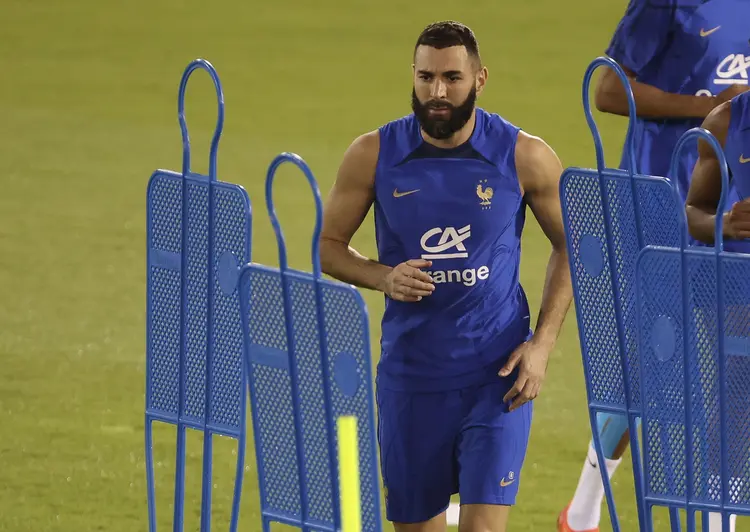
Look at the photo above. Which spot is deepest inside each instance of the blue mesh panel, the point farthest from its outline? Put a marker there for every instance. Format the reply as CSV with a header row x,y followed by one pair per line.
x,y
165,201
164,297
312,399
655,221
704,377
660,211
163,394
625,244
231,230
346,332
232,227
594,295
231,249
736,315
270,383
197,296
663,374
666,425
271,392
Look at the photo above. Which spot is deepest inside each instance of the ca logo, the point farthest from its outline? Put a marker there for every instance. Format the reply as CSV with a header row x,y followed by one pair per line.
x,y
450,237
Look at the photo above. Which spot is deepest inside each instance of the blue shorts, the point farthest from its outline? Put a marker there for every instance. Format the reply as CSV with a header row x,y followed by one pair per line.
x,y
433,445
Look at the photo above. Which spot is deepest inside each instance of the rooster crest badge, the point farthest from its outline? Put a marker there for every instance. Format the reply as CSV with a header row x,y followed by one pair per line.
x,y
485,194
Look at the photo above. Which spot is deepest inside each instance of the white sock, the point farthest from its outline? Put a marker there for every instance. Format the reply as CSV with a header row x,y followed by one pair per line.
x,y
452,514
586,506
714,522
714,518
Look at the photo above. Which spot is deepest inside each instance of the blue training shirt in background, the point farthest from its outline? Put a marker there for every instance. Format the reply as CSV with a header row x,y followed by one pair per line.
x,y
684,47
737,145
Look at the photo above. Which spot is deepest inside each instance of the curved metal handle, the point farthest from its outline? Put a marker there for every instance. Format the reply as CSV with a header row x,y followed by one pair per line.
x,y
698,132
300,163
630,149
192,67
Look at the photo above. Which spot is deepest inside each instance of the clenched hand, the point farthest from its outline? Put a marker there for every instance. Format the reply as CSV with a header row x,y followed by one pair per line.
x,y
407,282
737,220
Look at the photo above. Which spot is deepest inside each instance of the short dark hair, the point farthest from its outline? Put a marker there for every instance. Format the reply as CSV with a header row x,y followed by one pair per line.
x,y
449,33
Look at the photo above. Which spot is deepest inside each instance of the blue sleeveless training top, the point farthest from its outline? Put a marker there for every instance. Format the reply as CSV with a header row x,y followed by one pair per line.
x,y
462,209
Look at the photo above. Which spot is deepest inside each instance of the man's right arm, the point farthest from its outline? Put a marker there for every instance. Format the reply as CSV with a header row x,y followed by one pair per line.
x,y
346,207
652,102
638,45
347,204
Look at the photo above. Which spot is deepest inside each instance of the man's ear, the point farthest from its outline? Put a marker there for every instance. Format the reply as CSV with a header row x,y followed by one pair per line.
x,y
481,80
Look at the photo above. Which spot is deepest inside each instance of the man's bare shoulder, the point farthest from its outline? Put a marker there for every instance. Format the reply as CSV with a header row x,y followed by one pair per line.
x,y
717,121
365,147
528,146
535,161
360,161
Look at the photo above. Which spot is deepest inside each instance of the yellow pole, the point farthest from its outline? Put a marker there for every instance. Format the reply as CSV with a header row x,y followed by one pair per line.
x,y
351,518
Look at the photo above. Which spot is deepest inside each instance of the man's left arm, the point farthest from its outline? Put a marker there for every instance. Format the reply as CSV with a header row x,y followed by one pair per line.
x,y
539,170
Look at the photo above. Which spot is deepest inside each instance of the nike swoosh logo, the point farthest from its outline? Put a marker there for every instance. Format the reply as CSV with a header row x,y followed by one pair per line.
x,y
705,33
504,483
397,194
744,159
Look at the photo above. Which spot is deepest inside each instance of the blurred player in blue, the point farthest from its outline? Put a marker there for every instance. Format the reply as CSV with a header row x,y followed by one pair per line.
x,y
683,59
730,124
459,365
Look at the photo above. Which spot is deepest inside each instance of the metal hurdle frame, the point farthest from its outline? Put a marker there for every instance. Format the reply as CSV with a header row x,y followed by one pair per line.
x,y
307,357
198,235
686,486
606,340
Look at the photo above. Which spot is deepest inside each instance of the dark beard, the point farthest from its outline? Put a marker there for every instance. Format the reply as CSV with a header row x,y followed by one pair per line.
x,y
438,128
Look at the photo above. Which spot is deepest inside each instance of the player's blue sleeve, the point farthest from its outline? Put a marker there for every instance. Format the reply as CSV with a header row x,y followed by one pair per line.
x,y
642,34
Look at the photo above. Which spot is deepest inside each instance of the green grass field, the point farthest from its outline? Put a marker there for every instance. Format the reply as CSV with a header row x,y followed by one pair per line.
x,y
88,112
